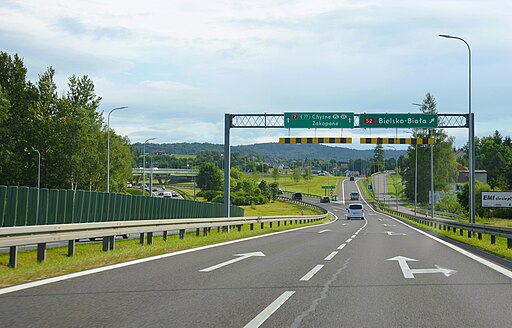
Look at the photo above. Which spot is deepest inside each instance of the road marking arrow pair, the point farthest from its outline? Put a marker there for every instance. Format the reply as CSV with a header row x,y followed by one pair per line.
x,y
409,273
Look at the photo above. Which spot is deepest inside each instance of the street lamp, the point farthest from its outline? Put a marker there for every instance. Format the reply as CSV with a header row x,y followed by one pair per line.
x,y
38,168
471,136
144,167
396,179
108,145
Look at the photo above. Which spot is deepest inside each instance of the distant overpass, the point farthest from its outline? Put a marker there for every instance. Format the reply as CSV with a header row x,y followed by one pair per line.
x,y
167,172
163,174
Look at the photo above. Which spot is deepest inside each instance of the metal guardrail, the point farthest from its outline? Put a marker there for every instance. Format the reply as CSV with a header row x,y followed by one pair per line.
x,y
303,203
471,229
13,237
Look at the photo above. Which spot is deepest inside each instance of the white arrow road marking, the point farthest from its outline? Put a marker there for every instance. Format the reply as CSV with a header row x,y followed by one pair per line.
x,y
312,272
325,230
389,225
269,310
409,273
391,233
242,257
330,256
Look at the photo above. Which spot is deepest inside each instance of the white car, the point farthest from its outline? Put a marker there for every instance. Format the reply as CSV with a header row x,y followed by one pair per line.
x,y
355,211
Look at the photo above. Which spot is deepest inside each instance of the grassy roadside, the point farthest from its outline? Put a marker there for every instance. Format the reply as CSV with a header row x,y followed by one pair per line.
x,y
499,248
89,255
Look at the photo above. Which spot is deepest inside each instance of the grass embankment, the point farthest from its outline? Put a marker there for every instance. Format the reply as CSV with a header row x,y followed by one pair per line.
x,y
89,255
315,184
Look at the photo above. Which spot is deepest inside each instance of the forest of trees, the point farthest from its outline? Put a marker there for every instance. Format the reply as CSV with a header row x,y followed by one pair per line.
x,y
67,130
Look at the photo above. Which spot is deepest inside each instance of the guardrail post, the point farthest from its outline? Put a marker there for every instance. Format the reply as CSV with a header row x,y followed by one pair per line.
x,y
197,231
270,224
112,243
278,223
165,235
105,242
493,239
205,232
218,229
509,242
284,222
252,226
262,225
141,238
13,256
150,238
182,233
480,235
469,233
461,232
71,248
41,252
239,227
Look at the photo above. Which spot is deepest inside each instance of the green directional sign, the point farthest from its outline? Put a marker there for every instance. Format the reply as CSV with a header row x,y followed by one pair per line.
x,y
319,120
328,187
398,120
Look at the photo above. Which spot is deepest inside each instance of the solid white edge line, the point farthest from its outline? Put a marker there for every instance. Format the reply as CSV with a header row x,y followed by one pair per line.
x,y
32,284
330,256
269,310
475,257
312,272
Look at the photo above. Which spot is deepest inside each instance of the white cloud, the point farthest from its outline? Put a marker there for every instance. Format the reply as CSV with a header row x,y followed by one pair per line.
x,y
184,63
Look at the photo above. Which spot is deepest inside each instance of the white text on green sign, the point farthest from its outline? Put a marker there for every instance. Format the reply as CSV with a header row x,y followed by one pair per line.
x,y
398,120
319,120
328,187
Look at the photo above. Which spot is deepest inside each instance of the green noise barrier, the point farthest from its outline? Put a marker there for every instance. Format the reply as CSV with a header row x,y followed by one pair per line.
x,y
24,206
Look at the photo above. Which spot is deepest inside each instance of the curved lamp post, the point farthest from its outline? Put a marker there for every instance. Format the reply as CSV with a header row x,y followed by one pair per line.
x,y
108,145
471,136
144,167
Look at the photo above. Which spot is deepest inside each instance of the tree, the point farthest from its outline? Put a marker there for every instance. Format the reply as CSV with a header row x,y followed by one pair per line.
x,y
296,175
445,164
209,177
275,174
378,158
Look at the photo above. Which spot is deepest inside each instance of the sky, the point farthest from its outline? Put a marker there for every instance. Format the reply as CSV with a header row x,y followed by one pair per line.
x,y
180,65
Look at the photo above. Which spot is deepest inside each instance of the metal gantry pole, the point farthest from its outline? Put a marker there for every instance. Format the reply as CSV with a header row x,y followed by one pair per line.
x,y
432,178
227,164
108,145
416,181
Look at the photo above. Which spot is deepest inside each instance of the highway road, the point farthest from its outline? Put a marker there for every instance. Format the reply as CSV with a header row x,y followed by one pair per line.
x,y
376,272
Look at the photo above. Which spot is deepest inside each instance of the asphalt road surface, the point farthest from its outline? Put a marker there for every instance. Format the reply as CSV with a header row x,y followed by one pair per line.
x,y
376,272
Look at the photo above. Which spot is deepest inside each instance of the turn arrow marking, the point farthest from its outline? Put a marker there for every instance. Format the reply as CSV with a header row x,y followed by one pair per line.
x,y
391,233
409,273
242,257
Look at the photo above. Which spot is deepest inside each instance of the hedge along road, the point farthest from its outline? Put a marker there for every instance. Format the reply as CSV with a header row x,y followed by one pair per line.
x,y
345,273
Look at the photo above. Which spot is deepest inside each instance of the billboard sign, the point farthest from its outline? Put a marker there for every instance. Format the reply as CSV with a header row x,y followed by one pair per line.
x,y
496,199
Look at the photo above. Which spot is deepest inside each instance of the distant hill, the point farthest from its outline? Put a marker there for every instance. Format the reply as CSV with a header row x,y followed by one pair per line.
x,y
272,151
